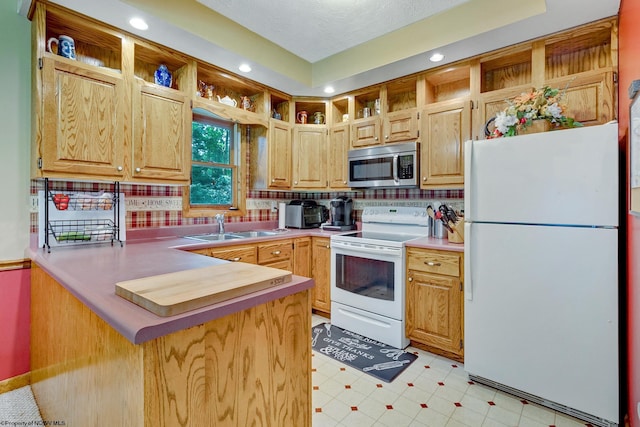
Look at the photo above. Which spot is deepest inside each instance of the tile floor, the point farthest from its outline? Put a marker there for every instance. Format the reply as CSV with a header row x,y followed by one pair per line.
x,y
433,391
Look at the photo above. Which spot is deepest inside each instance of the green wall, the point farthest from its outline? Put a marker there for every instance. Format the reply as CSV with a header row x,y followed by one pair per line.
x,y
15,130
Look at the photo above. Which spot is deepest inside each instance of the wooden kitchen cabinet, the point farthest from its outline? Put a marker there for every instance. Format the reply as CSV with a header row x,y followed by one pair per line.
x,y
400,126
271,158
434,301
309,157
101,116
161,134
337,152
445,127
82,121
365,132
302,256
240,253
276,254
321,273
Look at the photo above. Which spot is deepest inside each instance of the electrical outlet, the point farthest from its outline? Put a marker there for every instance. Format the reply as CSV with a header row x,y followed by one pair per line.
x,y
33,208
274,206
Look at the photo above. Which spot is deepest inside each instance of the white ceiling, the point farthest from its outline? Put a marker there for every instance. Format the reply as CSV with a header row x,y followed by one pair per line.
x,y
316,29
299,47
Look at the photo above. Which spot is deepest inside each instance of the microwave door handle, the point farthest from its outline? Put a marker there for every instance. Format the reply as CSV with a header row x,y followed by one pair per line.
x,y
395,168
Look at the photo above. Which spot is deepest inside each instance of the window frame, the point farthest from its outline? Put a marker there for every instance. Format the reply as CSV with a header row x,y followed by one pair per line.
x,y
238,163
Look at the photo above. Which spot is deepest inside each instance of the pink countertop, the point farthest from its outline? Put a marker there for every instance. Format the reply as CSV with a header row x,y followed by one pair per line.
x,y
90,273
433,243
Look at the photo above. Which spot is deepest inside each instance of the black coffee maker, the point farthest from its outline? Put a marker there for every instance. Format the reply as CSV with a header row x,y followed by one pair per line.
x,y
341,214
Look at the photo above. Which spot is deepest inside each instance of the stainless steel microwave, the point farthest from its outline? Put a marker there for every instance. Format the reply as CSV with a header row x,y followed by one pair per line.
x,y
392,165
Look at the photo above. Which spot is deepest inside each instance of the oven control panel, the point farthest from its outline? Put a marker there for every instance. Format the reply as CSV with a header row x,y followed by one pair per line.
x,y
406,215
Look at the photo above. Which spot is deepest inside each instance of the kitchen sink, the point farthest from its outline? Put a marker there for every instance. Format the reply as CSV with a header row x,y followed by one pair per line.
x,y
214,237
258,233
231,235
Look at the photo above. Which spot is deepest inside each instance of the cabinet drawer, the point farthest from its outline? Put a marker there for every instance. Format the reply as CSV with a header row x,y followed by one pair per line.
x,y
433,262
278,251
238,253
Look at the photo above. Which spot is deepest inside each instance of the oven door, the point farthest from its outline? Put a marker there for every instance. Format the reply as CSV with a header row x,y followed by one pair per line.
x,y
368,277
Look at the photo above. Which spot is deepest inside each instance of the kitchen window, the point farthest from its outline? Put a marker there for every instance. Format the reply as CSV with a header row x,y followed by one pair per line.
x,y
216,168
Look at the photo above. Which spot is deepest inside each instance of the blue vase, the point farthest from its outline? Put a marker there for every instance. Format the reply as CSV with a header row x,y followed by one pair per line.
x,y
163,76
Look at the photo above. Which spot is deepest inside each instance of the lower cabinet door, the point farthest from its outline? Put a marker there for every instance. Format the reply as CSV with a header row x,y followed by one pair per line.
x,y
321,273
434,311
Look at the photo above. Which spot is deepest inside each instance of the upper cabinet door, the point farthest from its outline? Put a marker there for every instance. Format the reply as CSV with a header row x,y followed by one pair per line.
x,y
338,167
82,121
445,127
162,134
401,126
279,155
365,132
309,156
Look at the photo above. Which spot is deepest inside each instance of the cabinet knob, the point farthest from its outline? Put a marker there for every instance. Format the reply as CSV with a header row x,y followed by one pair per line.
x,y
328,247
138,170
410,279
273,180
376,138
424,178
386,137
295,182
236,259
119,168
275,253
432,264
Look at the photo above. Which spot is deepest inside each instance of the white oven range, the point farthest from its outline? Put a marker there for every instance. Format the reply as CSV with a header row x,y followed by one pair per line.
x,y
368,273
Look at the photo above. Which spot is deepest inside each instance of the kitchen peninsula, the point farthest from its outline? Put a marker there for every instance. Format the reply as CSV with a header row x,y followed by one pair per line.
x,y
98,359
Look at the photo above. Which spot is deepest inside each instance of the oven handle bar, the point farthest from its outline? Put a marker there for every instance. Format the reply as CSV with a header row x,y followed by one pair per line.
x,y
366,249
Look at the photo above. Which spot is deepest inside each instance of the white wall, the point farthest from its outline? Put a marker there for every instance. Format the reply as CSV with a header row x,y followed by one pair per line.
x,y
15,130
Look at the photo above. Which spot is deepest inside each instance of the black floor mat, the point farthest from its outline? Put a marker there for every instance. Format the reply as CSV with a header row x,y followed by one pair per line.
x,y
375,358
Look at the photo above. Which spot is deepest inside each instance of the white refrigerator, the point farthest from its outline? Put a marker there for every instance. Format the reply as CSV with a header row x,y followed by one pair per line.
x,y
541,268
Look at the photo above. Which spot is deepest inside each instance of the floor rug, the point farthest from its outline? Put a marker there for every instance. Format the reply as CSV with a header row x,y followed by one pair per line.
x,y
375,358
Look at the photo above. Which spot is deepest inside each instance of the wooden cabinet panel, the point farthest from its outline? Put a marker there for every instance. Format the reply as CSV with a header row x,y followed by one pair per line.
x,y
309,156
279,155
365,132
162,129
276,251
321,273
434,262
82,121
434,310
445,127
246,254
400,126
434,300
302,256
338,149
589,97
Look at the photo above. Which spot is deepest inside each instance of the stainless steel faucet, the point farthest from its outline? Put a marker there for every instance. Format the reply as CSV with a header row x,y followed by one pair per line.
x,y
220,219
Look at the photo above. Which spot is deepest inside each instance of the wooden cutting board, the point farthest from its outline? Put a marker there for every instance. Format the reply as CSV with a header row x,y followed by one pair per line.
x,y
175,293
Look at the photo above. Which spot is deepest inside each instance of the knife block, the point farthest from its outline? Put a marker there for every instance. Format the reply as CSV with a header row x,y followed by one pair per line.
x,y
458,233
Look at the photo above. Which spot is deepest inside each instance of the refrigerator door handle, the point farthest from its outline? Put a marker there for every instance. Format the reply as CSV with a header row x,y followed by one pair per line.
x,y
468,271
468,156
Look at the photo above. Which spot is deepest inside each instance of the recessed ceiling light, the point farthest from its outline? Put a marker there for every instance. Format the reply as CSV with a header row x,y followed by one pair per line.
x,y
138,23
245,68
329,89
436,57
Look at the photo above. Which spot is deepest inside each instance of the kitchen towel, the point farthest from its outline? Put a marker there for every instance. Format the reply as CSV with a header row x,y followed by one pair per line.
x,y
281,215
375,358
